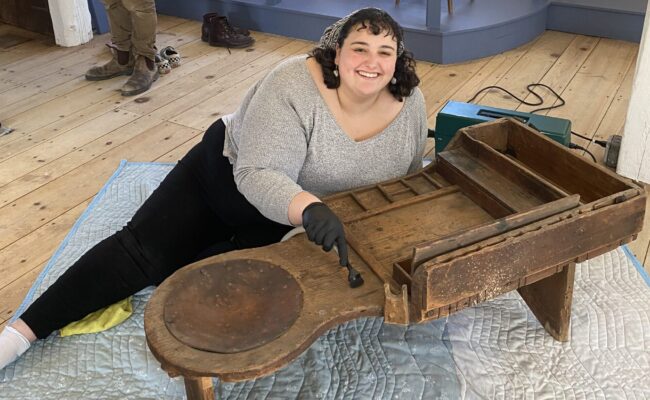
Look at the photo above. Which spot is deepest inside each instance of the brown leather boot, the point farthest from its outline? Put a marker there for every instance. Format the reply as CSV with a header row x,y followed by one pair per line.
x,y
207,21
120,64
222,34
144,74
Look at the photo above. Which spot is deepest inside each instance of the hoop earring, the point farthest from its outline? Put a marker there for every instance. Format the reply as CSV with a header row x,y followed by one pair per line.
x,y
393,80
336,71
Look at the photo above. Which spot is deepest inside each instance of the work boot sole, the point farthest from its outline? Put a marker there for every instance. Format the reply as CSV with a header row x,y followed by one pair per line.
x,y
141,90
104,77
231,46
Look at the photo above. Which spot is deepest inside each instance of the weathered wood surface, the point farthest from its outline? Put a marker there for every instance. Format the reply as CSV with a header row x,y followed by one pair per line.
x,y
585,70
396,306
550,300
328,301
612,214
430,244
233,306
199,388
429,250
571,173
501,264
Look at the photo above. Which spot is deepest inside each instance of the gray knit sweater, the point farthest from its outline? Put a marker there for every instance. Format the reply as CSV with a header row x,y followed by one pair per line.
x,y
283,140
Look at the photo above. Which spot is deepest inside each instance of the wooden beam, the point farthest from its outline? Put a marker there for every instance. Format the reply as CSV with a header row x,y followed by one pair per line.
x,y
634,158
71,22
552,311
199,388
433,14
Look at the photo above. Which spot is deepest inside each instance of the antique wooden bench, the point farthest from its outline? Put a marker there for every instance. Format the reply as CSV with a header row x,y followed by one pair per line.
x,y
502,208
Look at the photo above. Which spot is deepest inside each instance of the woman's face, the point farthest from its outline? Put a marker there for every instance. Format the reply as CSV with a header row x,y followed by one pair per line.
x,y
366,62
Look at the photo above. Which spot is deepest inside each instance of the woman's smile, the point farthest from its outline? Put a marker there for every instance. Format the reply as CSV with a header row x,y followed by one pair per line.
x,y
368,75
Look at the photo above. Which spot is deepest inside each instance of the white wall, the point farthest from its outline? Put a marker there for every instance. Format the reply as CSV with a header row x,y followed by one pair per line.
x,y
634,158
71,21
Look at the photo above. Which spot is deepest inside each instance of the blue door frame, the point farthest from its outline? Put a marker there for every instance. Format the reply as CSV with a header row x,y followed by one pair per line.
x,y
98,16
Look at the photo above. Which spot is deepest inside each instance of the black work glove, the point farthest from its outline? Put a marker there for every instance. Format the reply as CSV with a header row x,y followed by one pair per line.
x,y
324,228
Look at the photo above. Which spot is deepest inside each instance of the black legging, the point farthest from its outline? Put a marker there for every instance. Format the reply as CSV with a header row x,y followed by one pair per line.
x,y
196,212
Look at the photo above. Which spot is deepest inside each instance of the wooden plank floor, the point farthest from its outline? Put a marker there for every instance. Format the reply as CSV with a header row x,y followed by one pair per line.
x,y
70,134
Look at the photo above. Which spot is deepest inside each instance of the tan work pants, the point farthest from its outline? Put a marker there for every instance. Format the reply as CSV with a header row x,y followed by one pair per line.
x,y
133,25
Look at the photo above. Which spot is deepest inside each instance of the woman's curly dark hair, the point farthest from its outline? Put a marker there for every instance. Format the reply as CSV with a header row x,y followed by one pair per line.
x,y
376,21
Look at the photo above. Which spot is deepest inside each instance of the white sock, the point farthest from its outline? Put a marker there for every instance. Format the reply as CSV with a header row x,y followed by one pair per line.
x,y
12,345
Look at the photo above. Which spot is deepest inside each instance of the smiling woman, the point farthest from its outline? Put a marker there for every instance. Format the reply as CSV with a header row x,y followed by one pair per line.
x,y
379,27
302,132
364,61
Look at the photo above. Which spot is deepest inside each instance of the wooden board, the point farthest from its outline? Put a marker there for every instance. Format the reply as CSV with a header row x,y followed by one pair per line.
x,y
562,72
486,218
324,286
201,61
641,246
530,68
33,15
488,75
45,205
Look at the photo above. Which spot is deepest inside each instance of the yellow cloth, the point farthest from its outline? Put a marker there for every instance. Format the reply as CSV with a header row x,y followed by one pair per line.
x,y
100,320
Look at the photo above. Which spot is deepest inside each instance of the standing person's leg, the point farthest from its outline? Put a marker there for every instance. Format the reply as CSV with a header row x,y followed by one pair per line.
x,y
121,23
144,22
119,19
143,39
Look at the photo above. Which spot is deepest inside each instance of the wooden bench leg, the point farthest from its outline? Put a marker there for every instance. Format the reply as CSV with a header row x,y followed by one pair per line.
x,y
550,300
199,388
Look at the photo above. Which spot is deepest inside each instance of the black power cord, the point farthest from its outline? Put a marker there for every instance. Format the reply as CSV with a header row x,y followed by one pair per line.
x,y
529,88
575,146
601,143
539,102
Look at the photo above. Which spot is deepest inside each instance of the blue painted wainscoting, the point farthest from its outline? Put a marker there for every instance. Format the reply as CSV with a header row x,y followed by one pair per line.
x,y
476,28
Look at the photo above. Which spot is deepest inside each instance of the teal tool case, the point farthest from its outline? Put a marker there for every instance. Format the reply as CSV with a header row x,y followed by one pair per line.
x,y
455,115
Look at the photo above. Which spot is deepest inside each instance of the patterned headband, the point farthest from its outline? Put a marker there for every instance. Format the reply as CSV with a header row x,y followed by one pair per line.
x,y
331,35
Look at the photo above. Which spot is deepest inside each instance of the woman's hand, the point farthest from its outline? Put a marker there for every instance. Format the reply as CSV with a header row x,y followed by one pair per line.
x,y
324,228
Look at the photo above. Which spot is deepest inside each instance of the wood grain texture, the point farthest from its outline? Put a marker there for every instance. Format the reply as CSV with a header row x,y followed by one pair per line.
x,y
328,301
596,81
533,248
